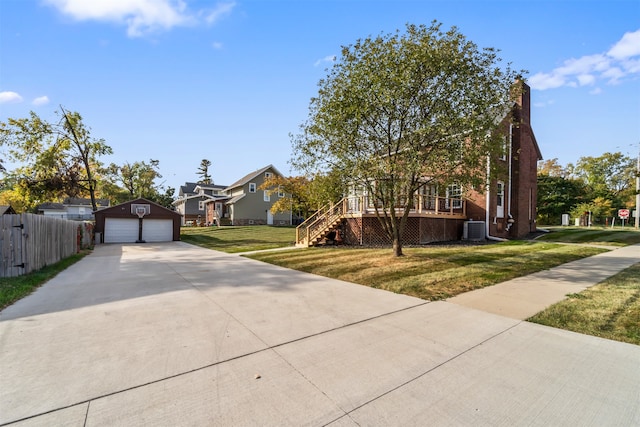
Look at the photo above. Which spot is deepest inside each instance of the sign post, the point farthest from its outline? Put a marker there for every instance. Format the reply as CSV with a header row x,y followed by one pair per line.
x,y
623,214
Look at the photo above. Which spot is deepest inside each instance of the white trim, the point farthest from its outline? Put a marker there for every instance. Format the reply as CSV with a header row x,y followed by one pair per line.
x,y
500,199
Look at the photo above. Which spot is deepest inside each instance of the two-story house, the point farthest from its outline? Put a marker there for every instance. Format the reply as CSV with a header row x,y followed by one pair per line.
x,y
506,208
192,198
247,204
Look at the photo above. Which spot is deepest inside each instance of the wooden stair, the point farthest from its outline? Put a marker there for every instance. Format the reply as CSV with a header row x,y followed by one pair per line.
x,y
316,228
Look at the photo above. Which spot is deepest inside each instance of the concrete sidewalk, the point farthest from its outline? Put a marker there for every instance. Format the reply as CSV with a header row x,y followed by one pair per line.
x,y
525,296
172,334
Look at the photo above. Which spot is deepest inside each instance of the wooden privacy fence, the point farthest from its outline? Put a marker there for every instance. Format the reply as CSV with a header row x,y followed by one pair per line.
x,y
30,242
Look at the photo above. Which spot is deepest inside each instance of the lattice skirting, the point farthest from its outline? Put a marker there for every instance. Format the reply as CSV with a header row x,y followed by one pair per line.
x,y
418,231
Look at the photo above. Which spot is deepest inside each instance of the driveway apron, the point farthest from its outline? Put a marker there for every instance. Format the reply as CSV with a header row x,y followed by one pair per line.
x,y
172,334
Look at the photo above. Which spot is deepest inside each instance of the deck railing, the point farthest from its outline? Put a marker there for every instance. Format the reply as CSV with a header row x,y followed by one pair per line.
x,y
326,218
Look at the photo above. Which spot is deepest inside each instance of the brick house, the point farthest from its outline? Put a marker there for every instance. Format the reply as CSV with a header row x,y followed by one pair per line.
x,y
506,208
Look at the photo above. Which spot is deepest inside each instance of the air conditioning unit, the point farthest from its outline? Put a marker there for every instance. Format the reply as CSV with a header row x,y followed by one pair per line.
x,y
473,230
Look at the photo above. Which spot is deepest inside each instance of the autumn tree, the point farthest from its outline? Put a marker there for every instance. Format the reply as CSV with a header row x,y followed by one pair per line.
x,y
139,180
203,172
610,176
551,168
57,159
403,110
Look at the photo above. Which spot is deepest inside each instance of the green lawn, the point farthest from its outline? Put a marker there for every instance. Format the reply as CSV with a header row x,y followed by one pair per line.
x,y
239,239
593,235
610,309
431,272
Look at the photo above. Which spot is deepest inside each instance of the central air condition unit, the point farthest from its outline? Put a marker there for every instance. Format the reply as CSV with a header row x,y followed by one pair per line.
x,y
473,230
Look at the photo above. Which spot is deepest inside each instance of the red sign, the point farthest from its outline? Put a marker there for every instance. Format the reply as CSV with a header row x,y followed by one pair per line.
x,y
623,213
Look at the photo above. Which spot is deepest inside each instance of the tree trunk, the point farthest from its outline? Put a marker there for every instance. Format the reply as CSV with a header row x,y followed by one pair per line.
x,y
397,247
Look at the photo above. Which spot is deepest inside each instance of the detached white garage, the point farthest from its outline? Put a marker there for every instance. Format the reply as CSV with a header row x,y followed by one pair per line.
x,y
121,224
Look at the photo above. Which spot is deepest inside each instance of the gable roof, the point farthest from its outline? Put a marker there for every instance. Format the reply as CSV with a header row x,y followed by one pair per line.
x,y
78,201
105,212
190,187
6,210
51,206
242,181
187,188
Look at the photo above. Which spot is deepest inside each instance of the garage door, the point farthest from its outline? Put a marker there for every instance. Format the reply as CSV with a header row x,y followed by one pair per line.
x,y
157,230
120,230
125,230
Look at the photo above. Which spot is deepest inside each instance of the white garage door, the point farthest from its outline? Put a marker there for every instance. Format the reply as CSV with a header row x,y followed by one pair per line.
x,y
125,230
157,230
120,230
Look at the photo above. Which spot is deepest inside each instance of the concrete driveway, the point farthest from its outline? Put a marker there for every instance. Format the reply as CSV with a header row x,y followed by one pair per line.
x,y
172,334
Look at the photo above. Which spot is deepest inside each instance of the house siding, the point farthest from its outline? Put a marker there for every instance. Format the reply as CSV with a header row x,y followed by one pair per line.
x,y
252,209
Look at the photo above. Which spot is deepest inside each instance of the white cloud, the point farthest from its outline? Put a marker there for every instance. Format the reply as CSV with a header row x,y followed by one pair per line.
x,y
613,66
141,17
41,100
627,47
596,91
9,97
586,79
542,81
221,10
329,58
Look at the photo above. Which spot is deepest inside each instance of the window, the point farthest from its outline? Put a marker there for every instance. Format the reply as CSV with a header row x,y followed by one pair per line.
x,y
500,200
506,143
252,187
267,196
201,205
268,174
454,196
280,192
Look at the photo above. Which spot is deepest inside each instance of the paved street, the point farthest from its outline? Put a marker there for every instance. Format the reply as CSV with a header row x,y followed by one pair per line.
x,y
172,334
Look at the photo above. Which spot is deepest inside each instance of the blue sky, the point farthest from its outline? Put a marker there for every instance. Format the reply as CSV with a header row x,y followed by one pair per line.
x,y
183,80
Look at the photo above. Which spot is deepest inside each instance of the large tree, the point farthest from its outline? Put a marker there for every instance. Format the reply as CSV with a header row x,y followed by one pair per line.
x,y
557,195
610,176
203,172
139,180
57,159
403,110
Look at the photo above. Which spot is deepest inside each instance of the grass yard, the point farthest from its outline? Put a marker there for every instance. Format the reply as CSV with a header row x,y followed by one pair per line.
x,y
239,239
14,288
434,272
609,310
593,235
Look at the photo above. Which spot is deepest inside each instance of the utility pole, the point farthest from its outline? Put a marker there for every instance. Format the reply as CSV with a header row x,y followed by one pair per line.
x,y
638,190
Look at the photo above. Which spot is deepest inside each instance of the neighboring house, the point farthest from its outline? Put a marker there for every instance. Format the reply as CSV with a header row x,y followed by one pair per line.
x,y
247,204
192,198
7,210
506,209
72,208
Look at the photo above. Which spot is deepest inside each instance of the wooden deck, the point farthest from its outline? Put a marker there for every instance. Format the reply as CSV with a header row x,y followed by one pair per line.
x,y
325,220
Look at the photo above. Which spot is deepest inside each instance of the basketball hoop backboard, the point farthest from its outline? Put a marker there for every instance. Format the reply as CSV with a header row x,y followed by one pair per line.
x,y
140,209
